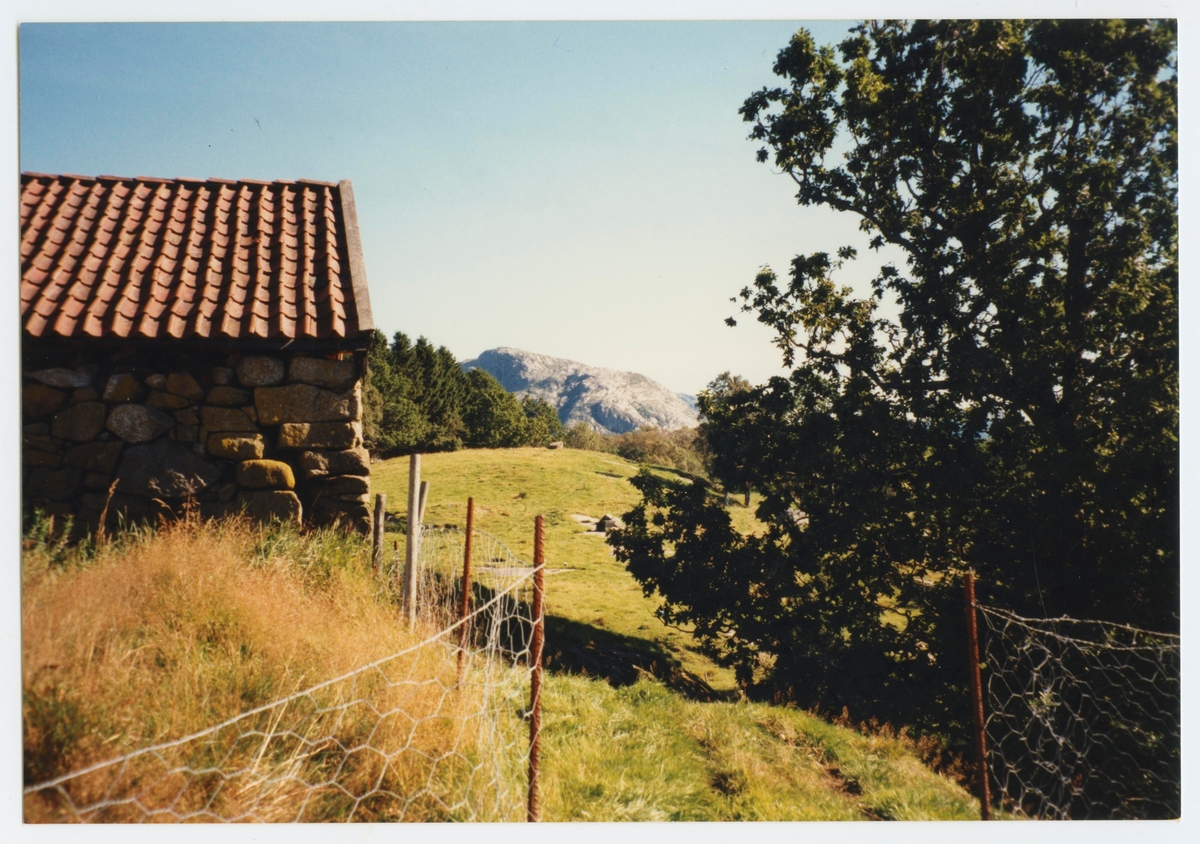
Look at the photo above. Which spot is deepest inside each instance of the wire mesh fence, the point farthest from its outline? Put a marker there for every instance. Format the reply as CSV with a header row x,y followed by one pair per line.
x,y
431,732
1083,718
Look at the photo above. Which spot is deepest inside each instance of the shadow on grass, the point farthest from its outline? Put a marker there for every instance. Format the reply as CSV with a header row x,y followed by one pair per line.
x,y
573,647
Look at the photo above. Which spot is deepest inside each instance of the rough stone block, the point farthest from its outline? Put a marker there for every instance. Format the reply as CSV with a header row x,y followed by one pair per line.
x,y
309,435
38,429
167,401
186,433
94,457
122,387
187,417
42,443
80,422
226,492
165,469
37,457
354,461
304,403
259,371
137,423
354,485
226,419
236,446
265,474
269,505
336,375
228,396
55,484
183,384
222,375
332,511
157,381
96,481
39,401
67,378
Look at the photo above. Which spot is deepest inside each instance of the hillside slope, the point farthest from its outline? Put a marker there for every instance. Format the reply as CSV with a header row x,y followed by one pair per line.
x,y
638,723
608,400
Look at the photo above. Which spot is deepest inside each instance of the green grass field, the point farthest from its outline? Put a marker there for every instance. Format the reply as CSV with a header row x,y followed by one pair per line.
x,y
638,724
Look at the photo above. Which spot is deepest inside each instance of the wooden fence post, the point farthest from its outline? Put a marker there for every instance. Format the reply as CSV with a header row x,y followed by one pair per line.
x,y
985,801
535,672
464,608
377,530
409,586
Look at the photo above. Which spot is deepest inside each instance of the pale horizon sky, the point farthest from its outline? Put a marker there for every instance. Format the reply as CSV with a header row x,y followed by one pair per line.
x,y
578,189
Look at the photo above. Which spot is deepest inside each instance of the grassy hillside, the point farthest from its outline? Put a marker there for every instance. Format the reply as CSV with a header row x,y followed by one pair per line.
x,y
598,619
656,742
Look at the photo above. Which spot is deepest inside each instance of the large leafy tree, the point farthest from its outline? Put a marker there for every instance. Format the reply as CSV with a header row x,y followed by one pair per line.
x,y
1020,415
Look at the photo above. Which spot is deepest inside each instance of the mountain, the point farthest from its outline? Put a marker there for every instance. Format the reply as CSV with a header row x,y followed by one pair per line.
x,y
608,400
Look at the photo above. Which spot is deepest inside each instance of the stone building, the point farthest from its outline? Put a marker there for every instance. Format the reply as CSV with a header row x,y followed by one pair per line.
x,y
193,343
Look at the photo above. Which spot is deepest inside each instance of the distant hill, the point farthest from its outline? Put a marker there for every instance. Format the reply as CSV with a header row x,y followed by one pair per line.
x,y
608,400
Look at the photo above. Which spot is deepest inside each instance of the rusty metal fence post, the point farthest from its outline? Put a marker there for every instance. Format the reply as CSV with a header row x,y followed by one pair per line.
x,y
985,802
464,608
535,669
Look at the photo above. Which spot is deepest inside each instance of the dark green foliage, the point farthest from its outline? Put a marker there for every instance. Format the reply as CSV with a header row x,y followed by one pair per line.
x,y
418,399
494,415
542,425
1020,418
683,448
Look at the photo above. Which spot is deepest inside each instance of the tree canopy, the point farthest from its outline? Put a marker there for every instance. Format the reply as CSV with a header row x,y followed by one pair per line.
x,y
1020,415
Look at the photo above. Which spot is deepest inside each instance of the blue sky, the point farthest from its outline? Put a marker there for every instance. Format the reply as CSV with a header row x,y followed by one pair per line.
x,y
578,189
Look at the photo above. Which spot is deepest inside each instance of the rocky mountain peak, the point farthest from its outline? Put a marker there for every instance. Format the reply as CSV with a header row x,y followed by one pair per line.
x,y
606,399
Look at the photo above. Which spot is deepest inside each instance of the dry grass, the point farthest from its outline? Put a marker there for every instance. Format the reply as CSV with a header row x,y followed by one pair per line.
x,y
165,633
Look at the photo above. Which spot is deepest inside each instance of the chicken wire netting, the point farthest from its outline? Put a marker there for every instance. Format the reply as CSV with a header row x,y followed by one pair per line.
x,y
431,732
1082,718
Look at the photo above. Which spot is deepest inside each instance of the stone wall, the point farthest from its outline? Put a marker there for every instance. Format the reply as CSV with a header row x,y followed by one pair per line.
x,y
274,435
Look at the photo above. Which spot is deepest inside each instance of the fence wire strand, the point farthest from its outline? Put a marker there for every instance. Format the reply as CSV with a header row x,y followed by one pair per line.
x,y
409,737
1083,718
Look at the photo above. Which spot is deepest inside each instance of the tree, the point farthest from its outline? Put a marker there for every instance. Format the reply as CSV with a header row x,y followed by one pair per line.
x,y
1018,418
542,425
494,417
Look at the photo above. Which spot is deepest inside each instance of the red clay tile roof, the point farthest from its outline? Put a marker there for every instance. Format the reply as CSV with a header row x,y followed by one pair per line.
x,y
188,259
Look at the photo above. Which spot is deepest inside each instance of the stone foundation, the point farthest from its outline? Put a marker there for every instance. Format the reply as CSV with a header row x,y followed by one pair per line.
x,y
277,436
